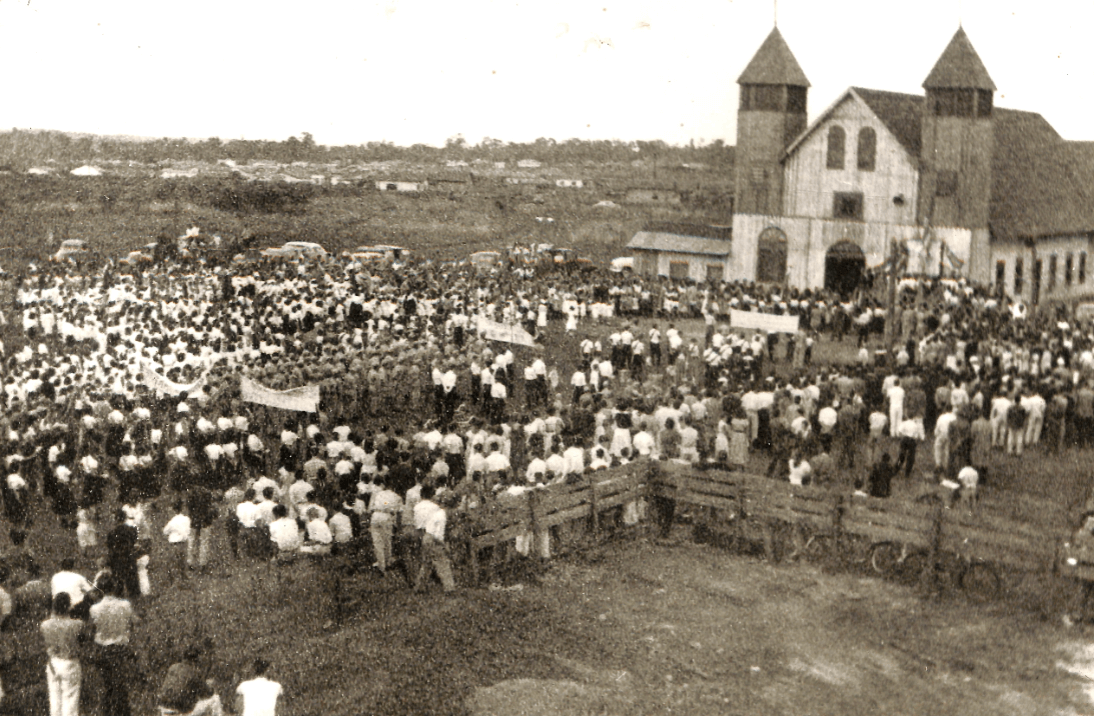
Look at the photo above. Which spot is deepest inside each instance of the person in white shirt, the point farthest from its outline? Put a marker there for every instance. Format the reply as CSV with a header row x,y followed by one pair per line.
x,y
536,471
896,407
284,532
430,520
177,530
318,535
942,445
801,472
258,696
383,507
341,526
70,582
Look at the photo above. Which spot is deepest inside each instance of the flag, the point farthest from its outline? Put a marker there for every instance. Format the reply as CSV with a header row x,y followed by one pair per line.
x,y
951,260
897,262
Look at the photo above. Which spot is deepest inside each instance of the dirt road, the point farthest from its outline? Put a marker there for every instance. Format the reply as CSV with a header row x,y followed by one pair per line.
x,y
686,629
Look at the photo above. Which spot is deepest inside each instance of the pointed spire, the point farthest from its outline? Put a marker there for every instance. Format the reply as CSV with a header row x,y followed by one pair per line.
x,y
959,67
773,64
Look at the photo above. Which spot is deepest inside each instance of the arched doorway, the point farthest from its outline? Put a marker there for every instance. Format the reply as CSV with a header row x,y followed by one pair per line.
x,y
771,256
843,266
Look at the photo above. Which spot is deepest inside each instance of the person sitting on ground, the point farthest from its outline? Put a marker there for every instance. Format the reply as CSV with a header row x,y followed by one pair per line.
x,y
186,691
284,532
258,696
318,535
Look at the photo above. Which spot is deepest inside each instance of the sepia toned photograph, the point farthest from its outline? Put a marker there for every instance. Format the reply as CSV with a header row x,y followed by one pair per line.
x,y
496,358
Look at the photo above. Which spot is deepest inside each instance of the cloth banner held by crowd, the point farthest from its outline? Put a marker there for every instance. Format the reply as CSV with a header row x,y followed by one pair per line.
x,y
160,384
305,399
494,331
763,322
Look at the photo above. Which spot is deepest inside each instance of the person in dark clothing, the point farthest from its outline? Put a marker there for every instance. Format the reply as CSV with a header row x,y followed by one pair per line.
x,y
121,551
881,475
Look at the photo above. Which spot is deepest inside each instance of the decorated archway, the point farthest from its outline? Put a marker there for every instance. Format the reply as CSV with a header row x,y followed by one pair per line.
x,y
844,264
771,256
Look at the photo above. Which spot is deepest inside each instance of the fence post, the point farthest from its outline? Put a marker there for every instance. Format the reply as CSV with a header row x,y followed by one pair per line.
x,y
928,580
473,561
595,509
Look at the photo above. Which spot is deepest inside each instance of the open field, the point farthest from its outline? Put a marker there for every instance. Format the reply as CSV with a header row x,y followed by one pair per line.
x,y
448,221
631,627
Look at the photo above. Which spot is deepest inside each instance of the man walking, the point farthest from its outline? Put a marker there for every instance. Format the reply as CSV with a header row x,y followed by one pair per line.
x,y
113,619
61,634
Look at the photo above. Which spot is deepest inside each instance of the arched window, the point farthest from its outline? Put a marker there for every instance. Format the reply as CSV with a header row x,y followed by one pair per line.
x,y
771,256
867,149
837,140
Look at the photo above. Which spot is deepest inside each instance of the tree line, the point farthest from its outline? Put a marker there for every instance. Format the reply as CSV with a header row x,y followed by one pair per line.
x,y
22,149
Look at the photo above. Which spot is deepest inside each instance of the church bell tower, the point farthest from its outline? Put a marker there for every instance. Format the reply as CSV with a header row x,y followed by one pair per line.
x,y
771,114
958,139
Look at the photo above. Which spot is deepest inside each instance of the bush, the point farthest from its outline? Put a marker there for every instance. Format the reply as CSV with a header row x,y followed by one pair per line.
x,y
262,197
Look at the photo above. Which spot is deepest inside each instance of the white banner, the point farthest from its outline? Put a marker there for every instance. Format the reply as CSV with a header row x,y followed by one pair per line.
x,y
305,399
158,383
494,331
763,322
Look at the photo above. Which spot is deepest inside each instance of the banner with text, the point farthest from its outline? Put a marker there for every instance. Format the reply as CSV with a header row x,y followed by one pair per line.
x,y
160,384
305,399
768,322
494,331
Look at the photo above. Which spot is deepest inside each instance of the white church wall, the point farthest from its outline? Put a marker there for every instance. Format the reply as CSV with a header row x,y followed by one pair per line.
x,y
811,186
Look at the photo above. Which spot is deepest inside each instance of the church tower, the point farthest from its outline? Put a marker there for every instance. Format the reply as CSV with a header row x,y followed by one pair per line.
x,y
957,143
771,114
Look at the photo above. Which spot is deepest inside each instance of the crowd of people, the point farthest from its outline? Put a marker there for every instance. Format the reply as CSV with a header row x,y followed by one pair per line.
x,y
127,424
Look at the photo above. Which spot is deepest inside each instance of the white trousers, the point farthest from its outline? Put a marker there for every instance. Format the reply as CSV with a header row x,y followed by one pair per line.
x,y
63,678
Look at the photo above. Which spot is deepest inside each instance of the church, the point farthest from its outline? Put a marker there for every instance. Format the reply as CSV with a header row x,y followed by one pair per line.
x,y
943,183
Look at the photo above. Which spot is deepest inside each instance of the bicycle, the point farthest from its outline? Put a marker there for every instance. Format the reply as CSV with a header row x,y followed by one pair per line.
x,y
830,547
978,579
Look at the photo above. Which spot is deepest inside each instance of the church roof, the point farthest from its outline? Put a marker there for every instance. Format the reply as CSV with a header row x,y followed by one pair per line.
x,y
959,67
1041,184
773,64
678,243
900,113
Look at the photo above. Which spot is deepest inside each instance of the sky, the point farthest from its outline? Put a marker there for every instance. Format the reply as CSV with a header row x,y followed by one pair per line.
x,y
424,71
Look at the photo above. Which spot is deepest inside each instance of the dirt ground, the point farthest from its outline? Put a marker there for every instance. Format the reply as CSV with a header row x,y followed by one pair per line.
x,y
698,631
631,627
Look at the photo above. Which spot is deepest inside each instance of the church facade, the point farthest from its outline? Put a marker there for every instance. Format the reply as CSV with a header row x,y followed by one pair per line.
x,y
943,183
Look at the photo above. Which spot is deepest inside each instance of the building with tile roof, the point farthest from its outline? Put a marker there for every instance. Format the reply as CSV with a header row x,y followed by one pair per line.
x,y
995,195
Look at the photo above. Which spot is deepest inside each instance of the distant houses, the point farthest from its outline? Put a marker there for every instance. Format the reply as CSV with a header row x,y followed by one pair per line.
x,y
684,251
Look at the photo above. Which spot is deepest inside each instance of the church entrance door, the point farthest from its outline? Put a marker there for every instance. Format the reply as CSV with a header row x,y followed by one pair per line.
x,y
844,264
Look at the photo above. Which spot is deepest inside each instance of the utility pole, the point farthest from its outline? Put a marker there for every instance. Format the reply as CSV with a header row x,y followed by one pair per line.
x,y
890,312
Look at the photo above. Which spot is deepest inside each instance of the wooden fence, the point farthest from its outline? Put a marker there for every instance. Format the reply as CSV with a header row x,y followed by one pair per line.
x,y
988,532
504,519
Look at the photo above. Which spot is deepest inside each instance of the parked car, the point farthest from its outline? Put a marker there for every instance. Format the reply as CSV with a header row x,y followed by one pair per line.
x,y
296,251
622,264
382,252
144,255
72,250
485,260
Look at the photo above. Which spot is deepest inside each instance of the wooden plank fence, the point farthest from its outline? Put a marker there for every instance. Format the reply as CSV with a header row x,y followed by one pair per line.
x,y
988,532
503,519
